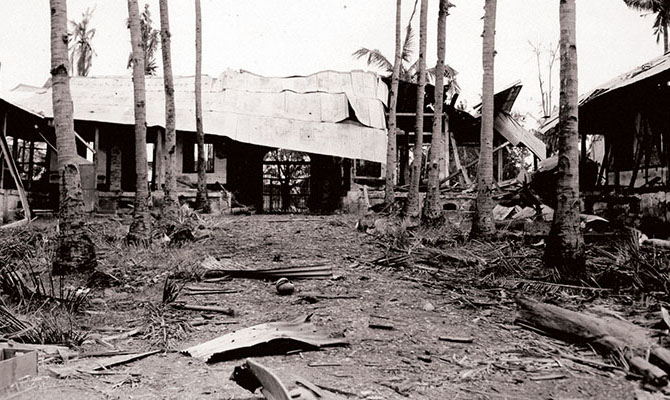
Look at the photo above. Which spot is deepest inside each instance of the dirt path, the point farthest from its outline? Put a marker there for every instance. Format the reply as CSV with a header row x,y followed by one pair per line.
x,y
503,361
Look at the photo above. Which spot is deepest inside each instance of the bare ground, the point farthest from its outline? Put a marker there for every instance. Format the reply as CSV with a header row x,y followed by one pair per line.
x,y
504,360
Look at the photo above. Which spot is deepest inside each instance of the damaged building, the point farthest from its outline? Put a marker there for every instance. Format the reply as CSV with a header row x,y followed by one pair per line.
x,y
625,131
276,144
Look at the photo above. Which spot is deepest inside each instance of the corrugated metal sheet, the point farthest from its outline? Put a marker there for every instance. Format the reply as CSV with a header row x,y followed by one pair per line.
x,y
642,72
516,134
332,113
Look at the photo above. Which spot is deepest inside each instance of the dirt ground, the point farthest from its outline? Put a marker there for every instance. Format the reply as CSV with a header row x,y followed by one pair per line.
x,y
503,361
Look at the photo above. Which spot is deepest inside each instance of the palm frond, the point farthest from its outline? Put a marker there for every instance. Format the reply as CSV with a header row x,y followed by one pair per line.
x,y
374,58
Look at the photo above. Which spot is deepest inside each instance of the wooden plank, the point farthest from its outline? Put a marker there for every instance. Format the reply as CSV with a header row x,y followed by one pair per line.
x,y
15,364
14,172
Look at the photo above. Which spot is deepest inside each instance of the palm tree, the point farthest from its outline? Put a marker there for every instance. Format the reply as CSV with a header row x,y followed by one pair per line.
x,y
201,200
389,195
170,189
482,223
412,206
75,250
432,210
662,10
148,41
408,70
140,228
565,244
81,38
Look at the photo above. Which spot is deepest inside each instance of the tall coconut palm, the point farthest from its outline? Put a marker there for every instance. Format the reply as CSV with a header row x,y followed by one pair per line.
x,y
170,189
565,244
201,200
432,210
413,206
662,10
75,250
81,49
389,195
140,228
482,223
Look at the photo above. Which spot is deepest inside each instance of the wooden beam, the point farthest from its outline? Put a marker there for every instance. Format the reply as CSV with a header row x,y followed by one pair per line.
x,y
457,160
14,172
96,160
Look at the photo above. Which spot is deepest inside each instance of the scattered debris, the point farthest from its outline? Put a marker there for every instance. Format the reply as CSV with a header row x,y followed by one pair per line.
x,y
607,334
385,327
455,339
253,375
264,339
318,271
87,366
196,307
16,363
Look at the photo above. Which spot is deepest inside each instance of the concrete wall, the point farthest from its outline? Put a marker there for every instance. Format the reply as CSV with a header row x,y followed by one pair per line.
x,y
220,163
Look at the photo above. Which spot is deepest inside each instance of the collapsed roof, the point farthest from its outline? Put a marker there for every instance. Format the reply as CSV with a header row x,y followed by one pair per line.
x,y
332,113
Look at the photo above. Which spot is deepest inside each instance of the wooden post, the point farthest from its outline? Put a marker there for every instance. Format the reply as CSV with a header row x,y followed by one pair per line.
x,y
15,174
96,158
5,206
500,164
31,154
457,160
159,177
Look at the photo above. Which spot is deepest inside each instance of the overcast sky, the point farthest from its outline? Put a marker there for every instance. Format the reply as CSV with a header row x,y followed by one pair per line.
x,y
290,37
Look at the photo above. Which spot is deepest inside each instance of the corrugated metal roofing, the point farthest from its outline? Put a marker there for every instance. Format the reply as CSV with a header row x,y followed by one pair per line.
x,y
333,113
516,134
638,74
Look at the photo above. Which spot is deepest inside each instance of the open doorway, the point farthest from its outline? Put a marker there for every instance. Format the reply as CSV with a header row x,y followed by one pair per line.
x,y
286,175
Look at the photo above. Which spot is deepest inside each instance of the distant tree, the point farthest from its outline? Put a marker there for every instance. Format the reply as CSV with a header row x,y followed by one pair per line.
x,y
409,71
74,250
81,49
482,223
413,206
662,10
547,93
389,188
291,169
201,201
140,228
170,189
565,243
148,41
432,210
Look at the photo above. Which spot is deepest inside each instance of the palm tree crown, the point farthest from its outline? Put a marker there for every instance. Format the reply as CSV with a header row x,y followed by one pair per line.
x,y
662,10
80,39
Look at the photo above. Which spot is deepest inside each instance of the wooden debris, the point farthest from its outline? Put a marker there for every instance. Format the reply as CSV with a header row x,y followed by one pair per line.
x,y
86,366
123,335
195,307
16,363
385,327
455,339
547,377
269,338
317,271
606,334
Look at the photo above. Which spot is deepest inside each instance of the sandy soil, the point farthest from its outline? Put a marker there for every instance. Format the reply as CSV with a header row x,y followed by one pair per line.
x,y
504,361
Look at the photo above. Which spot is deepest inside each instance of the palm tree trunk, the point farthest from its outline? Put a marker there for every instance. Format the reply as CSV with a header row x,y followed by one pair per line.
x,y
665,39
140,228
201,201
565,244
482,224
389,196
75,250
170,189
412,209
432,210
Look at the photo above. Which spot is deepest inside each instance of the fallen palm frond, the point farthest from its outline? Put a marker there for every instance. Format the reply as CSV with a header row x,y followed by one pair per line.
x,y
171,290
161,330
34,287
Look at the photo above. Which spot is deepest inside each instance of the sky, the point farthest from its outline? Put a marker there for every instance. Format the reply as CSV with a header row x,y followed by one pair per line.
x,y
297,37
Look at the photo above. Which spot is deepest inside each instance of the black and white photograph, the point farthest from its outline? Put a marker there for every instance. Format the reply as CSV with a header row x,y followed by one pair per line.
x,y
335,199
